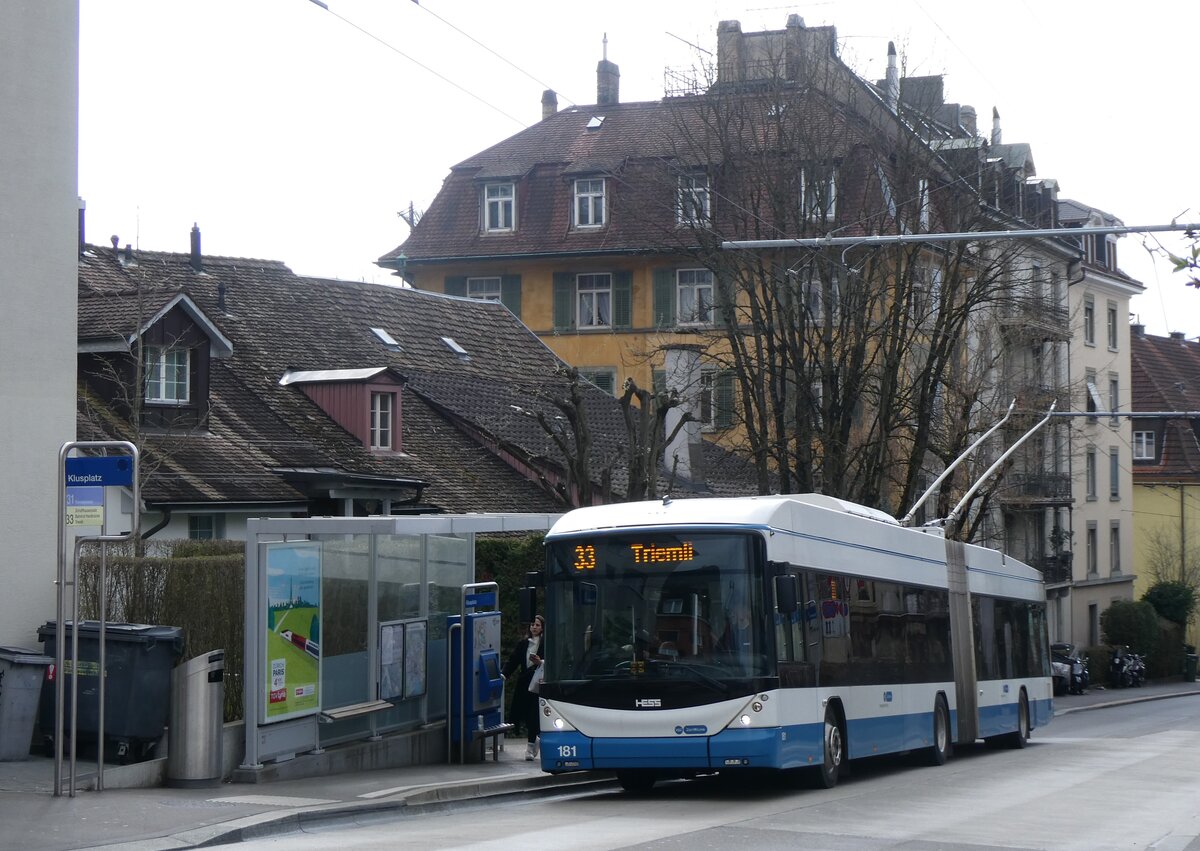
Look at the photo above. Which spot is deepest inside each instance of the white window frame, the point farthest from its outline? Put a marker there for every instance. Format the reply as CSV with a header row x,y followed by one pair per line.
x,y
1089,321
696,308
810,200
1114,397
1090,472
165,375
1114,473
1092,544
1111,321
695,200
383,410
1114,547
1093,403
1143,445
590,204
593,300
484,288
499,207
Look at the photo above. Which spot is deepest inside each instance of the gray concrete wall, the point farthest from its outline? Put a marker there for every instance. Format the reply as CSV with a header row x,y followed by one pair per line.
x,y
39,67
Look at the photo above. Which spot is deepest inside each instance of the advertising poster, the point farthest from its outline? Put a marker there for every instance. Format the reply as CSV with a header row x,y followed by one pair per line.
x,y
293,634
391,660
414,659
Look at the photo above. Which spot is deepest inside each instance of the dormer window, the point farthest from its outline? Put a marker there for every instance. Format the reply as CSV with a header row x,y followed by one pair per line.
x,y
695,204
498,207
818,193
167,375
382,407
589,203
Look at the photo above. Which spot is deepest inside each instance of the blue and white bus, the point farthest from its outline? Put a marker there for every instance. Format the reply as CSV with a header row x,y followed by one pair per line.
x,y
695,636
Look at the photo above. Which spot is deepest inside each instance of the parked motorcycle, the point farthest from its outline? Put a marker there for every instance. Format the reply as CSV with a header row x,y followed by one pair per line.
x,y
1137,669
1121,668
1070,669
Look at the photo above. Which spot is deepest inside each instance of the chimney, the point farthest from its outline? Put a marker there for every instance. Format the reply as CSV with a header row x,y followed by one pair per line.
x,y
82,238
1138,330
608,80
549,103
966,117
1178,335
995,126
682,367
116,244
891,87
128,258
196,264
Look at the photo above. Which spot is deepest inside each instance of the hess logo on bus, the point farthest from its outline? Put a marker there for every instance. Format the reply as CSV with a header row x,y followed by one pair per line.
x,y
585,554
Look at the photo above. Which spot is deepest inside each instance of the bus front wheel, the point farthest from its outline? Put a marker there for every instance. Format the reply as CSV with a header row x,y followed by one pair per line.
x,y
834,748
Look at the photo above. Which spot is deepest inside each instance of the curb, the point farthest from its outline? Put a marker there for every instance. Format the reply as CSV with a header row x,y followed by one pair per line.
x,y
420,801
1125,701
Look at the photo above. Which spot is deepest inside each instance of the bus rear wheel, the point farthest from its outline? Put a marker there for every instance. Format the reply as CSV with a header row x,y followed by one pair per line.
x,y
636,782
834,750
942,746
1019,738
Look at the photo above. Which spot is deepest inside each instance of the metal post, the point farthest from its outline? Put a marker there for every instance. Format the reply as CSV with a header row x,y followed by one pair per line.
x,y
101,585
75,665
60,650
457,627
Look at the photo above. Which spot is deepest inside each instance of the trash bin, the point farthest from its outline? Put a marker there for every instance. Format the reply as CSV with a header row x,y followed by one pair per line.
x,y
197,719
21,675
1189,667
138,658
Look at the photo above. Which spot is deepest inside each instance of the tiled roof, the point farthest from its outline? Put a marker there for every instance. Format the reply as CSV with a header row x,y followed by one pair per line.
x,y
642,148
459,405
1166,377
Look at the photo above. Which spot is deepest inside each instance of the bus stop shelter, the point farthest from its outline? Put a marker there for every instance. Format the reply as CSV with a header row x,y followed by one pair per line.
x,y
346,625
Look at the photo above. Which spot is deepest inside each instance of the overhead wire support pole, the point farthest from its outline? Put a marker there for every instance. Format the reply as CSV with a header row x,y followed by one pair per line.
x,y
903,238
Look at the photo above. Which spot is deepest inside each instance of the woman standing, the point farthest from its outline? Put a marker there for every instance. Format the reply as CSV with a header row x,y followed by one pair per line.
x,y
526,658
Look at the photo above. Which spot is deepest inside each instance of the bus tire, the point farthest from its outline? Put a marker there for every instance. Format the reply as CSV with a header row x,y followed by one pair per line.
x,y
1019,738
833,748
636,782
942,744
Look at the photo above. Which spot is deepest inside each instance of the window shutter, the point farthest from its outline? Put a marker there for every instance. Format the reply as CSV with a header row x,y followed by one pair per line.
x,y
564,301
664,298
456,285
723,399
622,285
510,293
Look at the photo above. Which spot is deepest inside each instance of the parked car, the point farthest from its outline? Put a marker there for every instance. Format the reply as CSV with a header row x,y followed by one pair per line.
x,y
1069,669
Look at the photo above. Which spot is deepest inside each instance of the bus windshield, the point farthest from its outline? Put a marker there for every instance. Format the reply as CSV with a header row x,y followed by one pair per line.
x,y
655,605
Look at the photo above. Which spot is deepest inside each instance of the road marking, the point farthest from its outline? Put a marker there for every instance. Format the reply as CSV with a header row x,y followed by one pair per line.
x,y
272,801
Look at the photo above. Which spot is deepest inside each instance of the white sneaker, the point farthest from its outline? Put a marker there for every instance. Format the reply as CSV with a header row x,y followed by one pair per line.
x,y
530,751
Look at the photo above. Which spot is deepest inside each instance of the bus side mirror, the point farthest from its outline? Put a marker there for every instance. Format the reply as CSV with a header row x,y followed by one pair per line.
x,y
786,594
527,600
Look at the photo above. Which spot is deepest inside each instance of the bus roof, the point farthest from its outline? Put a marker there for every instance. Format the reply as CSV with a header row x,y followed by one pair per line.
x,y
819,532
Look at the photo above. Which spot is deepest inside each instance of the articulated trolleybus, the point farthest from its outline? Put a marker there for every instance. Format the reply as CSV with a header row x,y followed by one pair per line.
x,y
696,636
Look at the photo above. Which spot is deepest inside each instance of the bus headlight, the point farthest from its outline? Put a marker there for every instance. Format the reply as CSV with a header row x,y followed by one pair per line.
x,y
745,719
558,724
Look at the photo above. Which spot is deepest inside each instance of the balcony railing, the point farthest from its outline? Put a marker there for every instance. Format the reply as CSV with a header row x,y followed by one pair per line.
x,y
1036,317
1055,569
1036,487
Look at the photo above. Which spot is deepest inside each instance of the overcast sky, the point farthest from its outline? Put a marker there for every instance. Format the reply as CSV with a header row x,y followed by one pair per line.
x,y
294,133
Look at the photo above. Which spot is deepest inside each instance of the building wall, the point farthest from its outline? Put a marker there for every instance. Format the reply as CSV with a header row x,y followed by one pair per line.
x,y
1115,568
1170,514
39,62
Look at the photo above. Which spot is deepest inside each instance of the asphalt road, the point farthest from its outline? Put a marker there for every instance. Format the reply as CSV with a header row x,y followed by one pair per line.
x,y
1125,777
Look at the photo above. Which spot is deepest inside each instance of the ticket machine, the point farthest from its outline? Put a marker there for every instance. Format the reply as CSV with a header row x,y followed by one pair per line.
x,y
476,686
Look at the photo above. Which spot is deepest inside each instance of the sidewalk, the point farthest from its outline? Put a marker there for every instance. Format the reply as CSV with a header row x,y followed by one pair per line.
x,y
162,818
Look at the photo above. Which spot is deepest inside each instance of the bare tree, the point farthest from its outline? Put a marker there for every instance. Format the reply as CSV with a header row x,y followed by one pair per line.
x,y
857,370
